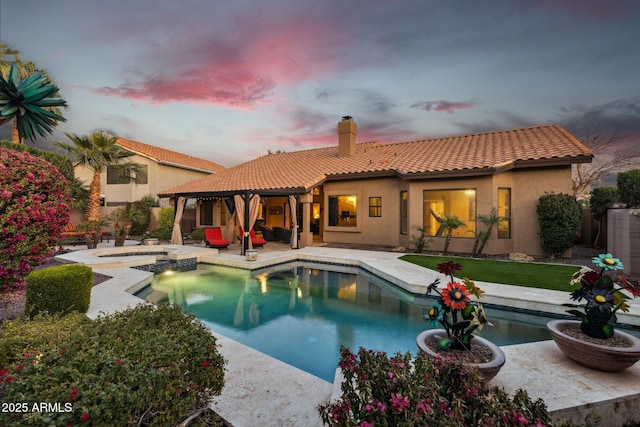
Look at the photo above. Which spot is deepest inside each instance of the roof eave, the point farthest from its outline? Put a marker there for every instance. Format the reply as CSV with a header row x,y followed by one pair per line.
x,y
180,166
358,175
459,173
231,193
553,162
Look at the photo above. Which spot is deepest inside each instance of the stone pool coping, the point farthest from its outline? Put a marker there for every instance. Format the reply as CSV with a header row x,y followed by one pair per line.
x,y
262,390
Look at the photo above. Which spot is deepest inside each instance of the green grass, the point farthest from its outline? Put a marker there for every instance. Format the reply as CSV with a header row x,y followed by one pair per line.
x,y
535,275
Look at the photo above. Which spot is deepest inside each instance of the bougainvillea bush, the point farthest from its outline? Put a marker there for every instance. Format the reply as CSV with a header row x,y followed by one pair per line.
x,y
378,390
141,367
34,208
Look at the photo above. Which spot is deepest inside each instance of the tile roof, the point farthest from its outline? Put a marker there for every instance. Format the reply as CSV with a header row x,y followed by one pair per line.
x,y
168,157
465,155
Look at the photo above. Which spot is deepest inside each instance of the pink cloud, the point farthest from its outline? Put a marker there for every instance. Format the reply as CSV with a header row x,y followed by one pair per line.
x,y
442,106
236,68
239,91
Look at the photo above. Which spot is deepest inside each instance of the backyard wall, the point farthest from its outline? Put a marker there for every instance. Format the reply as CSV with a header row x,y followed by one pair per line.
x,y
623,238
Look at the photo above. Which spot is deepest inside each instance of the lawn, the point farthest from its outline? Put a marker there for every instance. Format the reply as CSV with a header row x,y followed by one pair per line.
x,y
535,275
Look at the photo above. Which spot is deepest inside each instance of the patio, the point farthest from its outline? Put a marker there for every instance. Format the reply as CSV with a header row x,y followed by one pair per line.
x,y
260,389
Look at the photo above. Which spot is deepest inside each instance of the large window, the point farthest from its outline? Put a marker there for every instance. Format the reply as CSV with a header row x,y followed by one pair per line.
x,y
504,211
206,213
342,211
404,223
438,205
119,176
375,206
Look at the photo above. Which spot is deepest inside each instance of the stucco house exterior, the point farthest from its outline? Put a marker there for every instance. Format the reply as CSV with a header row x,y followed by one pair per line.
x,y
163,167
380,194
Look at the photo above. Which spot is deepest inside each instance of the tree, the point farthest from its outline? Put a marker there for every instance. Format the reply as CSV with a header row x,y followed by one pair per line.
x,y
25,69
629,188
97,152
27,98
124,218
560,217
450,223
602,199
610,155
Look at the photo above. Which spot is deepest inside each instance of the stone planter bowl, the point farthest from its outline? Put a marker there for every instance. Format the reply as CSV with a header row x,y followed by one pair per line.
x,y
601,357
487,370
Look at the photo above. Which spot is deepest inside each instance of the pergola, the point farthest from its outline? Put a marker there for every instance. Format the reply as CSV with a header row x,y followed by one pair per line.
x,y
243,204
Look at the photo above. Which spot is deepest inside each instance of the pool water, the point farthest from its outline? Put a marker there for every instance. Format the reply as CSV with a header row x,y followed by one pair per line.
x,y
302,313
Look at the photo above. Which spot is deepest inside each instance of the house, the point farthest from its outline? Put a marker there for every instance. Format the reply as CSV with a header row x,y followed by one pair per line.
x,y
163,167
380,194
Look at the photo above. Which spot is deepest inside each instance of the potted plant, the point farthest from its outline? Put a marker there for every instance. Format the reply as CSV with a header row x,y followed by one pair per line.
x,y
593,341
460,316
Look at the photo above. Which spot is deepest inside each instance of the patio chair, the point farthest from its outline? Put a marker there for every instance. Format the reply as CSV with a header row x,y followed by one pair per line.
x,y
255,240
213,238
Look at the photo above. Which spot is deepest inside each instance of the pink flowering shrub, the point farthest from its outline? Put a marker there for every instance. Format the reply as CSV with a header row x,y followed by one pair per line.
x,y
34,208
378,390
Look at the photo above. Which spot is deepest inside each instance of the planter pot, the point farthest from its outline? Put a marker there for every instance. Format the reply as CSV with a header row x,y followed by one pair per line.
x,y
251,254
150,242
602,357
488,370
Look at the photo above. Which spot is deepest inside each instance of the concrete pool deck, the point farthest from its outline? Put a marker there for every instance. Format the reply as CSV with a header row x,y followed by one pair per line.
x,y
262,390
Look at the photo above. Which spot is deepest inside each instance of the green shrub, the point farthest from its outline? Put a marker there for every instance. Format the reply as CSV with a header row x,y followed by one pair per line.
x,y
60,289
165,225
140,222
423,391
602,198
144,366
23,335
197,234
629,187
560,217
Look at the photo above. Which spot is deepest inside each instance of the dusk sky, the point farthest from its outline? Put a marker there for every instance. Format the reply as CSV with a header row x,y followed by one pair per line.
x,y
228,81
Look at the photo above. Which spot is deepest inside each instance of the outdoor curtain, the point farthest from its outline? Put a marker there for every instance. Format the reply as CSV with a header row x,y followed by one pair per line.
x,y
176,235
230,210
254,202
294,221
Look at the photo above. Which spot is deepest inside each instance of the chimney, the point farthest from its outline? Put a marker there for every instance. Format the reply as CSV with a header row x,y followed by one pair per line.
x,y
347,130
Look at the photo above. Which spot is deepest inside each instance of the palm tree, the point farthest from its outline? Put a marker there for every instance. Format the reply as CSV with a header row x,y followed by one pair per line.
x,y
97,152
450,223
482,237
123,219
27,97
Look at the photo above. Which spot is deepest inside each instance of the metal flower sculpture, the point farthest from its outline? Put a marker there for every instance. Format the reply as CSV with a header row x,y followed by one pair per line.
x,y
603,294
455,310
29,102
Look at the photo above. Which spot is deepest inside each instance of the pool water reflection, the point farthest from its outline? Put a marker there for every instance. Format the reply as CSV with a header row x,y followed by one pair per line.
x,y
302,313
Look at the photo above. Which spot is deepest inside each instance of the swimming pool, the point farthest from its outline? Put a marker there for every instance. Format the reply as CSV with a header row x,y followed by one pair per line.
x,y
301,313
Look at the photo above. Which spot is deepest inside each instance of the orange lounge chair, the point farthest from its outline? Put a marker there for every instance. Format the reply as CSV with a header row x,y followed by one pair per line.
x,y
213,238
255,240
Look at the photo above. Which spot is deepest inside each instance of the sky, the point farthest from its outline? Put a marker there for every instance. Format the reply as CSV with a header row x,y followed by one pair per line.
x,y
229,81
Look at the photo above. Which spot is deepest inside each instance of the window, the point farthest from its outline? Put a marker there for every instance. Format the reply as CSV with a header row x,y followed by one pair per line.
x,y
441,204
342,211
404,223
206,213
116,175
375,206
504,211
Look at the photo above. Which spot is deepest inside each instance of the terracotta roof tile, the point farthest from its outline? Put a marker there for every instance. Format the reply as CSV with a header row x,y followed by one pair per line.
x,y
168,157
467,154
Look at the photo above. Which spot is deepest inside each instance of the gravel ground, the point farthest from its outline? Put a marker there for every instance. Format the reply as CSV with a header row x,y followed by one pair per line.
x,y
12,303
